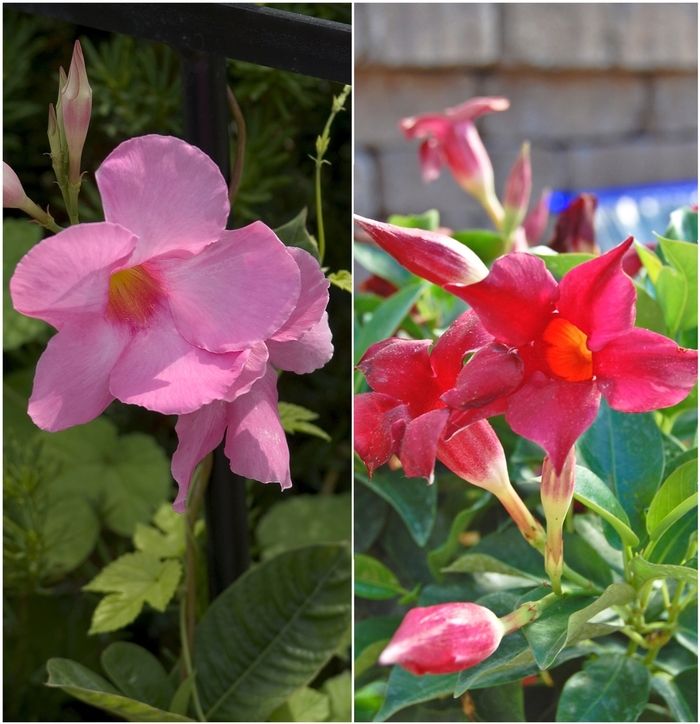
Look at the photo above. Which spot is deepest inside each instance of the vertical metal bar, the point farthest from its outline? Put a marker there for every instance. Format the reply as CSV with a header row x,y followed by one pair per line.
x,y
206,126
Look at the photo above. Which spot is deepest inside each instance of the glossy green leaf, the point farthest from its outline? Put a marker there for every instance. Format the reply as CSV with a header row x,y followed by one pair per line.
x,y
649,571
381,264
649,312
562,622
672,547
428,220
583,558
613,688
374,580
387,317
674,296
687,683
302,520
560,264
683,257
675,498
486,244
412,498
304,705
131,581
687,633
650,261
181,698
590,490
371,630
137,673
271,631
19,236
683,225
500,703
672,696
626,452
83,684
368,526
294,233
368,700
404,689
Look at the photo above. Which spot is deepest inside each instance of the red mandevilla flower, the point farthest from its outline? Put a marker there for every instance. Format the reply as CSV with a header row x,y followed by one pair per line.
x,y
557,348
444,639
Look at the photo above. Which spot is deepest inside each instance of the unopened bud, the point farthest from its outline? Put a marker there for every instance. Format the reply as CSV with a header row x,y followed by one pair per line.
x,y
13,196
516,196
76,108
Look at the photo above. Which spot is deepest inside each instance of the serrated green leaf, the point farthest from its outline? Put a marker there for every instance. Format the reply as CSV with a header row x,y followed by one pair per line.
x,y
167,540
132,580
294,233
613,688
137,673
304,705
675,497
287,616
339,691
295,418
594,494
374,580
342,279
83,684
304,519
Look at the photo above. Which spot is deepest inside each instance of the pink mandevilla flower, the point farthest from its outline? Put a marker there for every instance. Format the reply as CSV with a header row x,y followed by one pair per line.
x,y
158,305
247,414
444,639
557,348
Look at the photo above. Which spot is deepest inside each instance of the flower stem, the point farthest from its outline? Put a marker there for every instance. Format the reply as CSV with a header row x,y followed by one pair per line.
x,y
187,661
240,146
527,613
321,147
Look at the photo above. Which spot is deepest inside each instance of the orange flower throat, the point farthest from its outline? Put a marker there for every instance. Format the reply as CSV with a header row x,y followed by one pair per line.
x,y
566,352
133,296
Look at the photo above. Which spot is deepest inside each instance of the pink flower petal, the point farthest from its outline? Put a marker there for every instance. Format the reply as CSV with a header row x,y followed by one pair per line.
x,y
516,300
379,422
478,106
253,369
419,444
198,433
312,301
161,371
464,335
598,297
642,371
71,386
425,125
307,354
236,292
553,413
255,441
67,275
170,194
430,157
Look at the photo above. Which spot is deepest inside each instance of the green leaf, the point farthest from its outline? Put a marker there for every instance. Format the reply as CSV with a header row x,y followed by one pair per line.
x,y
486,244
381,264
125,478
650,261
374,580
294,233
626,452
368,700
683,257
371,630
137,673
404,689
132,580
83,684
271,631
590,490
586,560
412,498
339,691
683,225
613,688
16,390
295,418
650,571
387,317
672,696
649,312
687,683
374,513
673,295
167,540
687,633
675,497
500,703
562,622
429,220
342,279
305,704
19,237
672,547
560,264
181,699
304,519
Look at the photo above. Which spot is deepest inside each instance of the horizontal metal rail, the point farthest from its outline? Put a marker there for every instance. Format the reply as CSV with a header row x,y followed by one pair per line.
x,y
261,35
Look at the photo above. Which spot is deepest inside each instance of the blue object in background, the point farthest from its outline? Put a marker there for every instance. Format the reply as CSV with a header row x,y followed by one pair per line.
x,y
632,210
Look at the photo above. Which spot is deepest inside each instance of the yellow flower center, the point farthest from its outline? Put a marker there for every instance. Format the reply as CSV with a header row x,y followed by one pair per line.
x,y
566,353
133,296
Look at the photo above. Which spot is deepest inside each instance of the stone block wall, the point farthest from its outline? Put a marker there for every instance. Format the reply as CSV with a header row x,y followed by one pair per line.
x,y
605,92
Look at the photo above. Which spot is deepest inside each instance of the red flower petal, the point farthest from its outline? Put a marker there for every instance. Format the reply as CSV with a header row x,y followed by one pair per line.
x,y
419,444
379,424
464,335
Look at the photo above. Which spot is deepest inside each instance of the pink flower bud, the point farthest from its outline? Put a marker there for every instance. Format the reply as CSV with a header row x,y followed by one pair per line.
x,y
444,639
13,196
76,107
575,231
432,256
516,195
536,221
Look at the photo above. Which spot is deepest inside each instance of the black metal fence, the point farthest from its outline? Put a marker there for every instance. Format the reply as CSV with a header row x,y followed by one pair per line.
x,y
205,35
